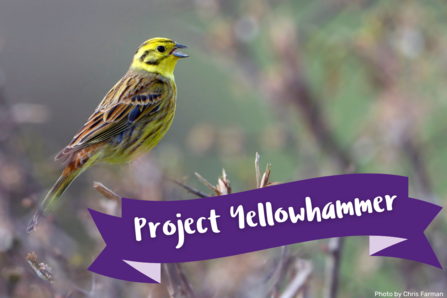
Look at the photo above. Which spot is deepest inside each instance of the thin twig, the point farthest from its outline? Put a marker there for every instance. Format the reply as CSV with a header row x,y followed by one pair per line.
x,y
185,283
304,271
80,291
266,176
224,185
190,189
335,248
92,292
150,292
280,272
106,192
258,174
415,155
170,283
177,284
204,181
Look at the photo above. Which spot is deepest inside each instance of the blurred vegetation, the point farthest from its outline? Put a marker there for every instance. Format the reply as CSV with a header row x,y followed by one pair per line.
x,y
318,88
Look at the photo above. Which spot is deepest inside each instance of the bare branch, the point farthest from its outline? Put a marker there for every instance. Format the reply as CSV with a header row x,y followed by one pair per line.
x,y
335,247
304,271
258,174
204,181
186,286
106,192
177,285
170,283
280,272
190,189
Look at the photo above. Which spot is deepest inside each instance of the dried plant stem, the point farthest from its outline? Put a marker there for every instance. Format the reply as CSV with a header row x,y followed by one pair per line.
x,y
109,194
170,282
258,174
223,184
178,285
204,181
185,283
280,272
265,176
304,271
333,267
190,189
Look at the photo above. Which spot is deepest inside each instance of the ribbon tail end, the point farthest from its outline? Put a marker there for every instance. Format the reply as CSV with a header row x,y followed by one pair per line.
x,y
151,270
379,243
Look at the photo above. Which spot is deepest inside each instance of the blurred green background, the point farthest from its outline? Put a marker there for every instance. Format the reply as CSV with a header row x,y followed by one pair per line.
x,y
316,87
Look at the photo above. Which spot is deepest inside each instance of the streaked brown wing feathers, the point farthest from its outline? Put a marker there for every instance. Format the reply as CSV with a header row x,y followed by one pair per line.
x,y
112,115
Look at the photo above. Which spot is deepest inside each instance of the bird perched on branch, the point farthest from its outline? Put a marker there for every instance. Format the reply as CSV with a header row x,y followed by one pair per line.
x,y
131,119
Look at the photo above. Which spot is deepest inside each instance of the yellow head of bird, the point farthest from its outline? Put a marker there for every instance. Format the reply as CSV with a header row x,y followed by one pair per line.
x,y
158,55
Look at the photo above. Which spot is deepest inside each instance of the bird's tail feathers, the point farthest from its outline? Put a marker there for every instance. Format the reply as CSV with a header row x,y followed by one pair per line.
x,y
51,199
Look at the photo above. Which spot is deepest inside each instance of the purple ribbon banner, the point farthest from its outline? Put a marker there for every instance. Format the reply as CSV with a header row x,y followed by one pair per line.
x,y
374,205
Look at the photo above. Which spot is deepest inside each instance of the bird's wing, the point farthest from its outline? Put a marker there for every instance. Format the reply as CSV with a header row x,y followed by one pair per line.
x,y
130,99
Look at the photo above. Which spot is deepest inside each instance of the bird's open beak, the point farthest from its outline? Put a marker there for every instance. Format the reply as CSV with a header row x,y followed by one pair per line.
x,y
179,54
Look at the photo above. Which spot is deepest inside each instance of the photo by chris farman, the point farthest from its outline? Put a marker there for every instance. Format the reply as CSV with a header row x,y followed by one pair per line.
x,y
298,151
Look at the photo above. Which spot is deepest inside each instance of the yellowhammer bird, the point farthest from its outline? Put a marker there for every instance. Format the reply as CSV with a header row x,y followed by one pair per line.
x,y
131,119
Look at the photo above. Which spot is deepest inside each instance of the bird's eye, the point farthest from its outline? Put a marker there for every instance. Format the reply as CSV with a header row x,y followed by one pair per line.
x,y
161,49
